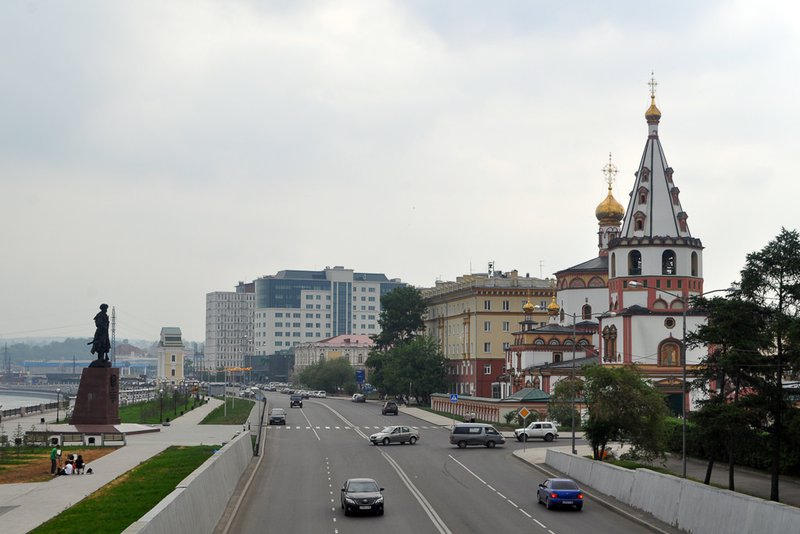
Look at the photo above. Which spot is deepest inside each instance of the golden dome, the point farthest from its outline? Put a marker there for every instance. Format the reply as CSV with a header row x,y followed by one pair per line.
x,y
609,211
553,308
652,113
528,307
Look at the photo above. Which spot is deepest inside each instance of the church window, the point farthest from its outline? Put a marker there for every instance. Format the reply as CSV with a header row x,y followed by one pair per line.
x,y
613,264
538,341
668,262
596,281
695,269
553,342
634,262
668,172
610,343
642,195
577,282
645,174
660,304
674,192
669,354
586,312
557,357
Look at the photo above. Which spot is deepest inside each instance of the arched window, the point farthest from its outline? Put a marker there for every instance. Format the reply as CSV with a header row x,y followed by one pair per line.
x,y
586,312
660,304
634,262
668,262
695,266
553,342
613,264
538,341
610,343
669,354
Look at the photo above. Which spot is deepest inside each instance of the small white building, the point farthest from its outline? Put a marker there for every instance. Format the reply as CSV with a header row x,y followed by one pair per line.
x,y
170,355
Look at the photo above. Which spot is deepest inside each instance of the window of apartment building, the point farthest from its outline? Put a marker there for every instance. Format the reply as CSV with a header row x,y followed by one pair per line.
x,y
296,315
506,305
278,334
327,306
295,325
309,306
279,314
506,345
279,343
327,325
317,325
487,368
309,316
371,317
371,299
295,334
363,317
487,347
327,315
319,297
371,290
487,326
309,334
309,297
371,308
363,308
309,325
277,325
317,316
173,358
487,304
363,299
372,327
506,326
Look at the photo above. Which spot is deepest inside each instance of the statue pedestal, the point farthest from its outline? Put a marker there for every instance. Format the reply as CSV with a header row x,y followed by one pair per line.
x,y
98,397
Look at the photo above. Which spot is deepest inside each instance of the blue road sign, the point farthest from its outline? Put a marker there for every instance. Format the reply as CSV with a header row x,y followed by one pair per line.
x,y
454,397
360,376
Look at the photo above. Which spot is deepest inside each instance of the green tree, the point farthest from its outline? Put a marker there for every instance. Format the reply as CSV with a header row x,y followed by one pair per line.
x,y
329,375
416,366
624,407
401,318
560,407
771,280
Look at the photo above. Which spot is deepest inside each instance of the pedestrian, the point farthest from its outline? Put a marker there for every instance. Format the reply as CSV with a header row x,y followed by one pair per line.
x,y
79,465
69,468
54,460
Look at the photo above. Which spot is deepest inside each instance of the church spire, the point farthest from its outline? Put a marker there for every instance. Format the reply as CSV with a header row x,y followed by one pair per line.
x,y
609,212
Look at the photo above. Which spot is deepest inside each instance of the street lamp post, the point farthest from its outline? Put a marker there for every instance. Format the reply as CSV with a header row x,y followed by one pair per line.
x,y
684,378
161,405
58,404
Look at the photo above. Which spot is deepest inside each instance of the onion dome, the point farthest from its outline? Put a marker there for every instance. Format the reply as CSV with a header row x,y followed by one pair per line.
x,y
553,308
528,307
652,114
609,211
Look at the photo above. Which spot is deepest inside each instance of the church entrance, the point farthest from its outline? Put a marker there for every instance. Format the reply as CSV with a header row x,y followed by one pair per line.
x,y
675,403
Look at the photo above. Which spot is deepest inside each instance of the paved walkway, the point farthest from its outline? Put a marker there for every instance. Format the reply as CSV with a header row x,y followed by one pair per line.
x,y
25,506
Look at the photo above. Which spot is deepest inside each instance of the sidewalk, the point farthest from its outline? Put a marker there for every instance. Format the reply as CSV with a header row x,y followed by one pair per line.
x,y
748,481
25,506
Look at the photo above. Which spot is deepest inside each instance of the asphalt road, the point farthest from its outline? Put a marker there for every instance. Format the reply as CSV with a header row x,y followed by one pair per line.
x,y
430,487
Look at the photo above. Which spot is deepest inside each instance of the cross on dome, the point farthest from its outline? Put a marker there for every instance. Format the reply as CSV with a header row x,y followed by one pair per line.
x,y
652,83
610,171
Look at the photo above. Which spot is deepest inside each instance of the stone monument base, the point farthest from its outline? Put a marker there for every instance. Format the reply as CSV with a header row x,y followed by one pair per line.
x,y
97,402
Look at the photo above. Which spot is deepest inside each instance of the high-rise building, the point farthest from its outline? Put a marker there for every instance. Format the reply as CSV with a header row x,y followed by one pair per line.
x,y
294,307
229,327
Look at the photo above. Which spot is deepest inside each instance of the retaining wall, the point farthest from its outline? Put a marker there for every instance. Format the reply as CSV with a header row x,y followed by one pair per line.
x,y
685,504
198,502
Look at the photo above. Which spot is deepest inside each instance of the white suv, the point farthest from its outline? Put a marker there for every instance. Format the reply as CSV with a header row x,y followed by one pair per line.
x,y
538,429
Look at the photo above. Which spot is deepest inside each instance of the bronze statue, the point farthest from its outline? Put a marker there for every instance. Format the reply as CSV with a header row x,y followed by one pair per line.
x,y
101,345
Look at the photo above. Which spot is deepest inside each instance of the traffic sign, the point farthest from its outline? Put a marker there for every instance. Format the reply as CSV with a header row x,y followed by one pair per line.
x,y
524,412
454,398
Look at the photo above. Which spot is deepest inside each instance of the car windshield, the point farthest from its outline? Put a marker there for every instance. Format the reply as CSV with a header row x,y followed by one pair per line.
x,y
362,486
277,411
387,429
564,484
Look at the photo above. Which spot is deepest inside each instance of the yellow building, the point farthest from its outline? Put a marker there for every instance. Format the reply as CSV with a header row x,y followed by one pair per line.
x,y
474,319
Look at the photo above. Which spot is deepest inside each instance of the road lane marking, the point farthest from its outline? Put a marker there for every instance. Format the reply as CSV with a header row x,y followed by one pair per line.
x,y
309,423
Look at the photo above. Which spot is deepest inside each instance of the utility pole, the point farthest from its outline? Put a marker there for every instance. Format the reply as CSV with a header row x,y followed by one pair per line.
x,y
113,336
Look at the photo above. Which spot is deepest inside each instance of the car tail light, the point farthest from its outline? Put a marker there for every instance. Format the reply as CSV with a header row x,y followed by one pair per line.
x,y
580,495
554,495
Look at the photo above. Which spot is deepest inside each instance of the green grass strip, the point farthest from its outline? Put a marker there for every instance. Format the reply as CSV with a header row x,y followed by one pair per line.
x,y
155,411
238,411
116,506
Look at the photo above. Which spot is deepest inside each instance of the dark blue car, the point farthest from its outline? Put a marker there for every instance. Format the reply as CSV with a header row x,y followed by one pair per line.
x,y
560,492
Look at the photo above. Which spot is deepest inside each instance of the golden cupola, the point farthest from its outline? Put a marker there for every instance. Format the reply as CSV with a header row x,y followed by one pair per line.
x,y
528,307
653,115
609,211
553,308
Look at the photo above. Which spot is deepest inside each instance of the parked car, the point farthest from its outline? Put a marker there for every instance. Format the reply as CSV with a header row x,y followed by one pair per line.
x,y
296,400
560,492
538,429
321,394
358,397
395,434
277,416
362,495
464,434
389,408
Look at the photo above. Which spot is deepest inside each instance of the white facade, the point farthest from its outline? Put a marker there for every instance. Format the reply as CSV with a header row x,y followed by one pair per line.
x,y
354,348
229,327
170,356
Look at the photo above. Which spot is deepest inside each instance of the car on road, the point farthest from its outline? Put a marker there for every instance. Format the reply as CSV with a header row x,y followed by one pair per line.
x,y
560,492
537,430
389,408
277,416
362,495
321,394
395,434
296,400
358,397
464,434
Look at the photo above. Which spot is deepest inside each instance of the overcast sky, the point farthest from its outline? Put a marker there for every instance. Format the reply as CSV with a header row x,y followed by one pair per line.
x,y
153,152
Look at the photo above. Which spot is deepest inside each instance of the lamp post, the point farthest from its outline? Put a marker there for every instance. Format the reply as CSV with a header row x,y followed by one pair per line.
x,y
161,405
685,302
58,404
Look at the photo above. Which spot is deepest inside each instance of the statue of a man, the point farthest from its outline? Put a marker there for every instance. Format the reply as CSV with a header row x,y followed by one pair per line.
x,y
101,345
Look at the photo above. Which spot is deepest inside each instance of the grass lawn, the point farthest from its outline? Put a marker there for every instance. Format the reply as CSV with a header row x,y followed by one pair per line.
x,y
155,411
117,505
238,410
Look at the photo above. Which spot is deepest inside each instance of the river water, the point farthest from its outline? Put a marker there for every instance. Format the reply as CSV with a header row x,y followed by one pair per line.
x,y
10,399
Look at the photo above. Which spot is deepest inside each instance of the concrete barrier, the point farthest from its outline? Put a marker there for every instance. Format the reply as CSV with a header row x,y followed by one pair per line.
x,y
685,504
198,502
